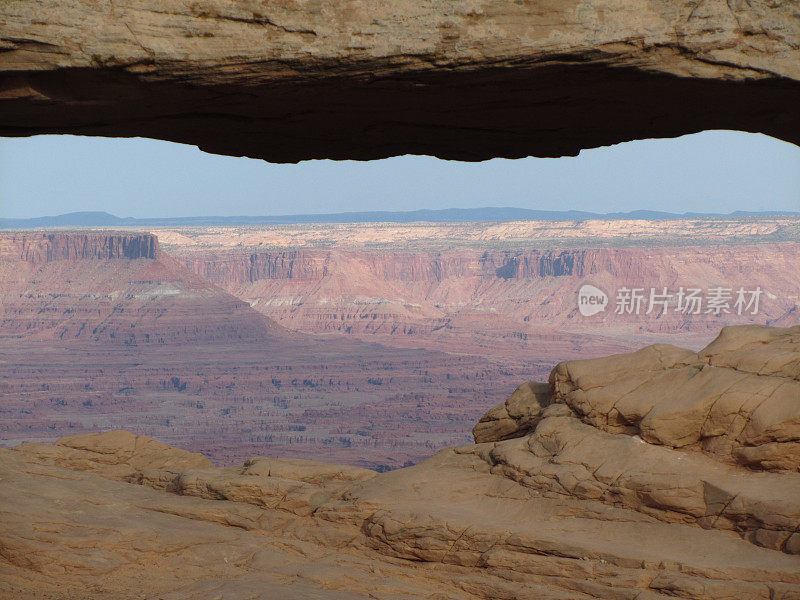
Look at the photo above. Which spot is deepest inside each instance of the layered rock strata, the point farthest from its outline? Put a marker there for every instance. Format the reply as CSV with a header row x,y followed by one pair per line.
x,y
510,302
589,501
103,330
115,288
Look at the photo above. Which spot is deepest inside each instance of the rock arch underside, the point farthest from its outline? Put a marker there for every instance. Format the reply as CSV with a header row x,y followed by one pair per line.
x,y
350,79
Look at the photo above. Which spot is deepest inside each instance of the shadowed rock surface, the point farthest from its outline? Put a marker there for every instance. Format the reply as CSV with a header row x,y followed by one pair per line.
x,y
518,415
592,502
466,80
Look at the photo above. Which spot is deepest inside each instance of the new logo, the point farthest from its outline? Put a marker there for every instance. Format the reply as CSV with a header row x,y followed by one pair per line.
x,y
591,300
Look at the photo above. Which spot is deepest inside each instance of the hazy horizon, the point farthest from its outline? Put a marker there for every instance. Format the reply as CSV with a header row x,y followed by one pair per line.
x,y
611,215
711,172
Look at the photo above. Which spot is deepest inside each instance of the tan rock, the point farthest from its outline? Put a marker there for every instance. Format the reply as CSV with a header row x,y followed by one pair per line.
x,y
738,399
309,471
359,80
517,416
296,486
569,458
755,349
117,454
582,506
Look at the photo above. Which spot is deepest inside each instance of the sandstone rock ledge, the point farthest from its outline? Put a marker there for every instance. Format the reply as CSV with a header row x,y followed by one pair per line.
x,y
653,475
348,79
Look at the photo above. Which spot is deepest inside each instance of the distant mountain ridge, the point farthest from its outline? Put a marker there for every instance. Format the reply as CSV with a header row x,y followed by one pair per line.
x,y
447,215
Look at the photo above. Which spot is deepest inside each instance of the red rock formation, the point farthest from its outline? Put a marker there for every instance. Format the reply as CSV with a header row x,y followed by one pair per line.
x,y
102,331
38,248
463,298
115,287
111,332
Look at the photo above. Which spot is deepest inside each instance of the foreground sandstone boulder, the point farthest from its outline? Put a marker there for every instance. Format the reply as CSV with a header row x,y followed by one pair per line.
x,y
115,454
579,496
515,417
737,400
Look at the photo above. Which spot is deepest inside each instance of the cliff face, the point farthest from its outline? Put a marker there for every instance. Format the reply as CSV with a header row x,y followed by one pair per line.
x,y
425,267
603,483
467,297
103,330
40,248
243,268
347,79
112,287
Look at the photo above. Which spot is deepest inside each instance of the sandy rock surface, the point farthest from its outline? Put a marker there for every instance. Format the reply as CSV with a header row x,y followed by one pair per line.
x,y
587,501
737,400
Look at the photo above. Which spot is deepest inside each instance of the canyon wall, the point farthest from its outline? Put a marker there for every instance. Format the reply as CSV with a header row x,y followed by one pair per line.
x,y
241,268
38,248
112,287
238,269
466,297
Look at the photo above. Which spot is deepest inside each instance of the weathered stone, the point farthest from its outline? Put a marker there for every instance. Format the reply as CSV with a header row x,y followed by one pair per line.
x,y
581,506
570,458
295,486
464,80
737,400
117,454
517,416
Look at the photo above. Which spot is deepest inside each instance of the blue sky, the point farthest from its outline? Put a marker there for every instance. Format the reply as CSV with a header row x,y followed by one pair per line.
x,y
715,171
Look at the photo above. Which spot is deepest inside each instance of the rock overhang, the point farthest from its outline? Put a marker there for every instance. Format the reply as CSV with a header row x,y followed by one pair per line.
x,y
353,80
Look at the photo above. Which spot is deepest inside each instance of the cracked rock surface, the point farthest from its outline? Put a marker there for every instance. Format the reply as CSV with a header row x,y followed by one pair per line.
x,y
628,477
351,79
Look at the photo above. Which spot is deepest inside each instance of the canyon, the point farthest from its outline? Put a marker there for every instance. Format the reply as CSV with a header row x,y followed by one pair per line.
x,y
505,290
373,345
103,330
208,412
654,475
158,398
